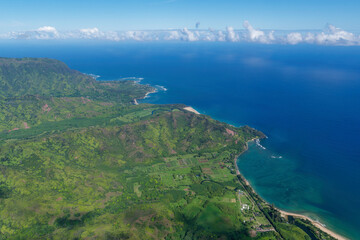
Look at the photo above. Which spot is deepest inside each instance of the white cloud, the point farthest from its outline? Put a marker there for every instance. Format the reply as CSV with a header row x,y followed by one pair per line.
x,y
294,38
309,38
173,35
90,33
133,35
111,36
335,35
221,36
271,36
189,35
331,36
48,29
255,35
231,36
217,35
46,32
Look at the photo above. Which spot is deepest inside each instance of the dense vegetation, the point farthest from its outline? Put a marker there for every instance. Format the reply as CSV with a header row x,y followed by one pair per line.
x,y
52,78
79,161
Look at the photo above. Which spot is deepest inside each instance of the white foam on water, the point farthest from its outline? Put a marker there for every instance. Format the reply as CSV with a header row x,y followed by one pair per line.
x,y
257,141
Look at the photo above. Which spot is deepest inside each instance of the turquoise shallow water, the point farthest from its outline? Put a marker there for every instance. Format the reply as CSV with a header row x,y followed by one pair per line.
x,y
306,99
277,180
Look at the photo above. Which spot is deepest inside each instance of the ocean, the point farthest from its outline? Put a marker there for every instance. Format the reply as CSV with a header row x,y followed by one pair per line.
x,y
305,98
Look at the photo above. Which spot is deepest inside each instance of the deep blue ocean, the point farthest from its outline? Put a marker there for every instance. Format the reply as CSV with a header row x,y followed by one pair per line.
x,y
305,98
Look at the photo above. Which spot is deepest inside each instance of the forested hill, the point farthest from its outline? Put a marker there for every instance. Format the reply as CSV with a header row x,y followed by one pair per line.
x,y
79,161
49,77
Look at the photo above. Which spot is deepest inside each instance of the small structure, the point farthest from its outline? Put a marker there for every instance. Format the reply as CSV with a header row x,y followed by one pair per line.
x,y
245,207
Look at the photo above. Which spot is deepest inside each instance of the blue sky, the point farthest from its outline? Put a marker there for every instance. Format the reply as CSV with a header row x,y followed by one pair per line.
x,y
18,15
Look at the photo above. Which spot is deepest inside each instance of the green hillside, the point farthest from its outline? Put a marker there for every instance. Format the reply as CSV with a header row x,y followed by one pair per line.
x,y
52,78
79,161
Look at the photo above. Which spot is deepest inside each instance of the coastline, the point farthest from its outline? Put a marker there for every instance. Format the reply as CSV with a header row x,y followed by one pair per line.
x,y
148,93
145,96
283,213
315,223
190,109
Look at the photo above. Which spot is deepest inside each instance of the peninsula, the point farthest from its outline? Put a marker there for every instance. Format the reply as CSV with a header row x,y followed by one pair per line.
x,y
80,160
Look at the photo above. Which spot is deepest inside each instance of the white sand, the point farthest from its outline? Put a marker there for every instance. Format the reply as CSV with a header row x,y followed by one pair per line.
x,y
190,109
317,224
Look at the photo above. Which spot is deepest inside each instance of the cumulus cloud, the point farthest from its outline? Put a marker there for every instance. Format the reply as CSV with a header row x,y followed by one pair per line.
x,y
231,36
189,35
309,38
255,35
330,36
294,38
91,33
47,29
221,37
173,35
271,36
46,32
134,35
335,35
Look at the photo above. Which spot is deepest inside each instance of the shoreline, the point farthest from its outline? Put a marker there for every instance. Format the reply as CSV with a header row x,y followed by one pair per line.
x,y
190,109
283,213
314,222
145,96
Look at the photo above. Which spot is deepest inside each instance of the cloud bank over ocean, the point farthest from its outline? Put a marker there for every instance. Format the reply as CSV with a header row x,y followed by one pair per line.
x,y
330,36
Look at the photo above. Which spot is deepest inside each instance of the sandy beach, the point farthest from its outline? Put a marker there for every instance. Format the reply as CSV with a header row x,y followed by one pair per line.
x,y
316,223
190,109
